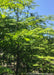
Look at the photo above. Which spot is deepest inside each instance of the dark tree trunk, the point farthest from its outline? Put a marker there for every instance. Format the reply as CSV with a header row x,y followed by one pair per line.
x,y
17,66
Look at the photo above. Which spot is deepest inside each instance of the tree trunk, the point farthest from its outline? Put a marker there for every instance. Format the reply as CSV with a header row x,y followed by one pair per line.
x,y
17,65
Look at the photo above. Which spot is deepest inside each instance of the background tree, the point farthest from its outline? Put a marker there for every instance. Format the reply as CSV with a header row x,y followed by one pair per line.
x,y
22,36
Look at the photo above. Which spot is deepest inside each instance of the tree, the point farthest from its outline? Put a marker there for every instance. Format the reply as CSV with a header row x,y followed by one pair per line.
x,y
18,35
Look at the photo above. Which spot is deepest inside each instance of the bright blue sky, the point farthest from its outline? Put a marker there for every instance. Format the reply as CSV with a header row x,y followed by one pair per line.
x,y
46,7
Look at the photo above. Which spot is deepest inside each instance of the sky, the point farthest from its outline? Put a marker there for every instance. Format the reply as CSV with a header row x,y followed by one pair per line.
x,y
46,7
